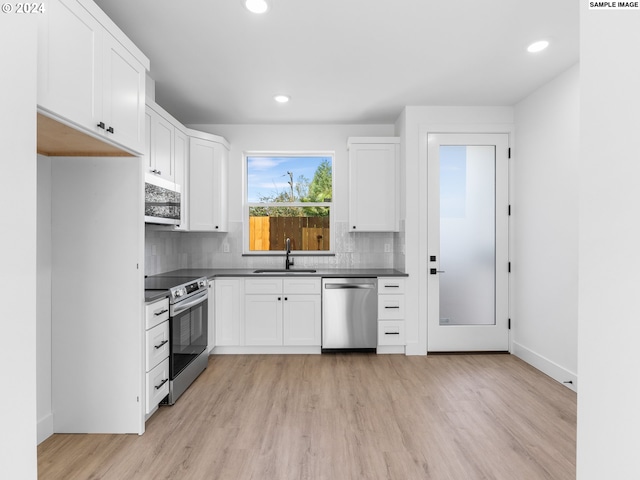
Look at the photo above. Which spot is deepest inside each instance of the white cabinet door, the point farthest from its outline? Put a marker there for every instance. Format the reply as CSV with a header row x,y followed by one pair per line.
x,y
160,161
373,187
263,319
87,78
229,312
181,165
123,95
157,385
302,320
70,63
208,165
157,344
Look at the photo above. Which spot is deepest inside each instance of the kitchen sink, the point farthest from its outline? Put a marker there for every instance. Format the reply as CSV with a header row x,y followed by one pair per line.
x,y
283,270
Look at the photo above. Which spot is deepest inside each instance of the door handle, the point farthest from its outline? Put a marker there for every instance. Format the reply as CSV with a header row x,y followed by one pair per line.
x,y
433,271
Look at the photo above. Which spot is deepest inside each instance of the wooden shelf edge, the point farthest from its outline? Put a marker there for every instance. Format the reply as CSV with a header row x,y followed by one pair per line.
x,y
56,139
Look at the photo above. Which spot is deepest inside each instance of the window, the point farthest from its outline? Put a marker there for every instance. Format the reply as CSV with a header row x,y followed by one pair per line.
x,y
288,196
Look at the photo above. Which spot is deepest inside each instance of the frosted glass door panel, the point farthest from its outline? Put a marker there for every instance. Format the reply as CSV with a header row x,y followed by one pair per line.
x,y
467,235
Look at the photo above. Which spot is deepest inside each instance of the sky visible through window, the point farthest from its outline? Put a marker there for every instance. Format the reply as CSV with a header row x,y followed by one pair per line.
x,y
267,176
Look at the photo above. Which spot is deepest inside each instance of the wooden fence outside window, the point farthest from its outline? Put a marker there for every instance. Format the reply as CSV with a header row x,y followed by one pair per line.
x,y
306,233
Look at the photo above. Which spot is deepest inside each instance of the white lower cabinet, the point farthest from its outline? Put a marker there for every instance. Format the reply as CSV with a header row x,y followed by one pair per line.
x,y
263,319
229,311
391,315
157,353
157,385
282,311
301,320
391,332
157,345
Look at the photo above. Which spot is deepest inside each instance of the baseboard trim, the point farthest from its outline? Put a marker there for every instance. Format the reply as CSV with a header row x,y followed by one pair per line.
x,y
546,366
45,428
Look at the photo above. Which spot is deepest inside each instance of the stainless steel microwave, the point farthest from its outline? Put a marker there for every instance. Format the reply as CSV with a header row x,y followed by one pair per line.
x,y
161,201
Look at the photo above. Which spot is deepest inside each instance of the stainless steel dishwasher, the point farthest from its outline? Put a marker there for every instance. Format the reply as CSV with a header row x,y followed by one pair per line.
x,y
349,313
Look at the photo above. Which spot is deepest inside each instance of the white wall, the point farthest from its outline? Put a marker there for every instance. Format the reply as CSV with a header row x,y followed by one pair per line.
x,y
609,253
43,305
18,240
545,228
413,127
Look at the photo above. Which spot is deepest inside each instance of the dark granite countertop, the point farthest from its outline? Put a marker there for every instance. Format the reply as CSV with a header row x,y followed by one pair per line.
x,y
212,273
151,296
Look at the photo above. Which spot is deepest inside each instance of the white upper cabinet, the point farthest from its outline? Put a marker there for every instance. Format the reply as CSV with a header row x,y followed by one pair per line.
x,y
374,184
208,182
159,160
181,167
90,75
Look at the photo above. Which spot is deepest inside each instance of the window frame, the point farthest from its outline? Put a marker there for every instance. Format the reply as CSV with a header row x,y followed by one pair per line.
x,y
246,205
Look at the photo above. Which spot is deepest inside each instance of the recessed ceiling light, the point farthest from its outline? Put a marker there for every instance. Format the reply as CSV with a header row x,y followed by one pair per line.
x,y
537,46
282,98
256,6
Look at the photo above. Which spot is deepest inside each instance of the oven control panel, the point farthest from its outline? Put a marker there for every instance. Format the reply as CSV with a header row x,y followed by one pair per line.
x,y
185,290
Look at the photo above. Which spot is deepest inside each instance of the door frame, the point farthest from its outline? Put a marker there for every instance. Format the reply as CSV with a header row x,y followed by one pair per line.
x,y
456,338
423,253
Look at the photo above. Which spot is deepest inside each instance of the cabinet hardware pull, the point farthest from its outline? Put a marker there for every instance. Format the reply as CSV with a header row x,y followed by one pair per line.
x,y
285,299
392,286
157,314
160,346
392,333
279,298
158,387
101,125
158,172
110,130
391,307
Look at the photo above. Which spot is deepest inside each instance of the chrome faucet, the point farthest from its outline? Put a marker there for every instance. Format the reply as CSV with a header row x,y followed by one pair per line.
x,y
289,261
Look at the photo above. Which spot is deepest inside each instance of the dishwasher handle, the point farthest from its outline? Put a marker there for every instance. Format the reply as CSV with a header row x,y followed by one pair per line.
x,y
340,286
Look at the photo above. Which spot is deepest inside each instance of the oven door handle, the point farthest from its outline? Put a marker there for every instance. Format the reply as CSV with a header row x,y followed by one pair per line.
x,y
192,302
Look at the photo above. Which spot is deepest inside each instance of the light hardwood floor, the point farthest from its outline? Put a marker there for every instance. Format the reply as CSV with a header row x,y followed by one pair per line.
x,y
342,416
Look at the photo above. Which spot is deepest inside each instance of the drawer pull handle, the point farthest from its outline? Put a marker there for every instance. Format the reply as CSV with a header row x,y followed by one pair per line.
x,y
392,307
157,314
161,345
392,333
392,286
158,387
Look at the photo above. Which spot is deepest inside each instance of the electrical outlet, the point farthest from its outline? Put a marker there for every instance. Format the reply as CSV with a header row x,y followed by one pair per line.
x,y
387,248
226,248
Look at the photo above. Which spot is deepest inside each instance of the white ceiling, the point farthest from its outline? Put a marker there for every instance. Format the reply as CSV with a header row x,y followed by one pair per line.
x,y
344,61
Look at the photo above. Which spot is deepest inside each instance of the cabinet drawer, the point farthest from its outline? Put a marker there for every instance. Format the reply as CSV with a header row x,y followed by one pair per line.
x,y
157,312
390,285
261,286
305,285
391,333
390,307
157,344
157,381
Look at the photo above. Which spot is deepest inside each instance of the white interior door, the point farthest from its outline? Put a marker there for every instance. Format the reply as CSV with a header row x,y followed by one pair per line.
x,y
468,302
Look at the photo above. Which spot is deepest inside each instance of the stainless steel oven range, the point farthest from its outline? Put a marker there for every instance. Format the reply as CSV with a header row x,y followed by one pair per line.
x,y
188,355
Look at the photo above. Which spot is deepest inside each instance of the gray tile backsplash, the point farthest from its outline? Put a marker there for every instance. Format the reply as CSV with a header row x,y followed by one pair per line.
x,y
166,250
